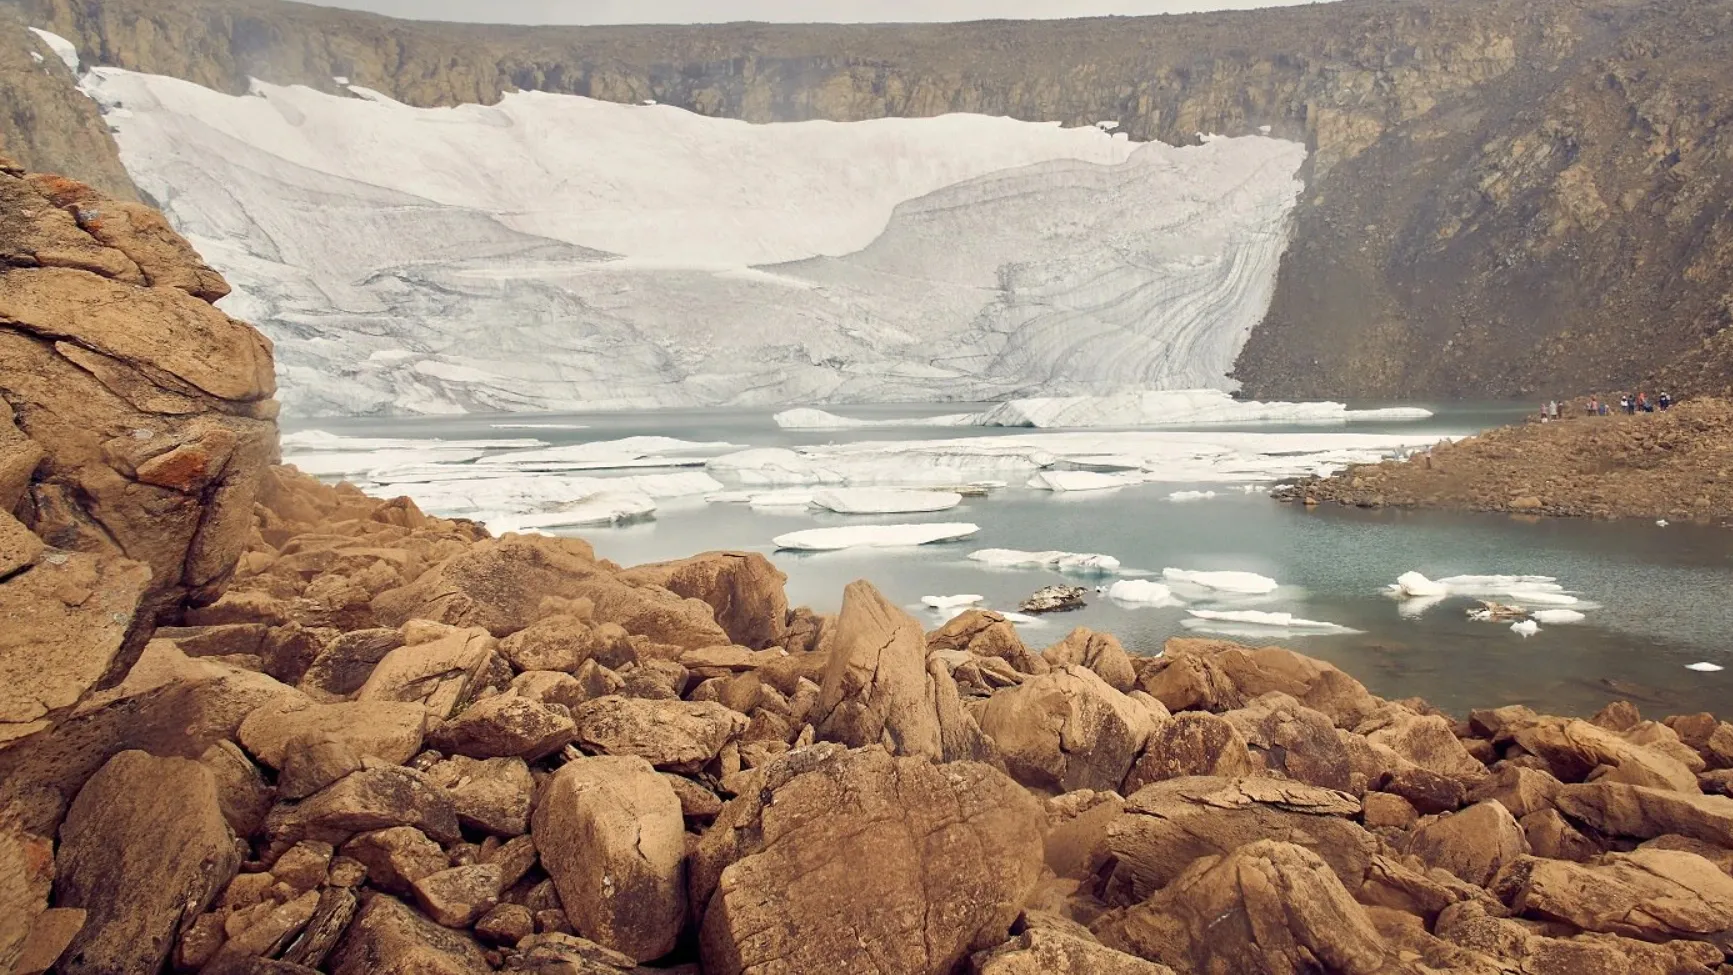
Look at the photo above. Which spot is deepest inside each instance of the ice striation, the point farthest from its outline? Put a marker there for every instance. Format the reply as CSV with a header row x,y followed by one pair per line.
x,y
556,253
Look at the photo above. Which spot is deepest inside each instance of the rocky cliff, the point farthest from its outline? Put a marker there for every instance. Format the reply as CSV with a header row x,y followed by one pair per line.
x,y
1504,199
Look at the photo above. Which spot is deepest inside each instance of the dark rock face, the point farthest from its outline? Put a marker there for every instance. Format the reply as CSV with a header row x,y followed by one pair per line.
x,y
1502,200
48,125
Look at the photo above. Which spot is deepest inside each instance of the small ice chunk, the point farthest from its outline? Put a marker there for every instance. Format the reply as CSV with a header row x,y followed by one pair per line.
x,y
1704,667
884,501
1263,130
1141,591
1024,619
1552,616
1661,522
874,536
340,80
1415,584
1074,481
951,602
1191,495
1245,582
1010,558
1525,628
37,57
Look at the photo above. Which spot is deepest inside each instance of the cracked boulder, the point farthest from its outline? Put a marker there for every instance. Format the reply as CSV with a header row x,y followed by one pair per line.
x,y
1068,730
1649,894
833,860
742,589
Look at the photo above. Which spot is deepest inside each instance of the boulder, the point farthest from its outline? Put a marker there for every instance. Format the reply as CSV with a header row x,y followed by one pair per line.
x,y
1168,825
371,799
1211,675
1384,810
987,634
611,835
678,736
341,667
26,880
144,849
388,731
1100,652
1573,749
1426,740
1267,908
458,897
1473,845
498,585
559,643
1044,952
442,669
1404,885
50,934
1067,730
1551,836
506,726
1649,894
841,861
241,789
491,795
396,857
1077,824
1428,791
389,938
1190,743
878,688
1644,813
743,590
1293,740
65,623
506,924
1520,790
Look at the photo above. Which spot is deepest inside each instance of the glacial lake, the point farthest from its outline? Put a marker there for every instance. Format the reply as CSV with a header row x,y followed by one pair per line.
x,y
1662,597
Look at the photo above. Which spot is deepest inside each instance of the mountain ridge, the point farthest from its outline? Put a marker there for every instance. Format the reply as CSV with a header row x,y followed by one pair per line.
x,y
1503,199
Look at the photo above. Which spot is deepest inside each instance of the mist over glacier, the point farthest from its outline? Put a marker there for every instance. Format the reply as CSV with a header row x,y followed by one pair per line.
x,y
559,253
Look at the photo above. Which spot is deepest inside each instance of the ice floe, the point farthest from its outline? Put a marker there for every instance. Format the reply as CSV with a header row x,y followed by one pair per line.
x,y
1705,667
1010,558
598,511
792,498
487,498
1075,481
873,536
951,602
1142,592
1236,582
1525,628
807,418
1175,407
884,501
603,453
1286,621
1415,584
1191,495
1554,616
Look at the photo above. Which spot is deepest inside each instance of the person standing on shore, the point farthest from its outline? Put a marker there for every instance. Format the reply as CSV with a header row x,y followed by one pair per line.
x,y
1666,402
1594,405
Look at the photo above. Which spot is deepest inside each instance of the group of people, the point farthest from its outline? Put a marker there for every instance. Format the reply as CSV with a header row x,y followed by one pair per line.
x,y
1629,404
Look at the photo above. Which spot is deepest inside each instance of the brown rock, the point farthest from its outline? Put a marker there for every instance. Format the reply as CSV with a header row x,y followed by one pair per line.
x,y
491,795
1426,740
388,731
397,857
1407,886
1617,716
497,585
241,789
341,667
1474,844
304,865
1387,811
553,687
18,546
1293,740
443,673
1168,825
1100,652
986,634
1210,675
1644,813
265,935
387,938
743,590
696,802
1190,743
677,736
559,643
1651,895
372,799
505,726
1076,844
135,904
50,934
1427,790
1067,730
929,862
568,954
877,687
26,879
315,760
1550,836
458,897
1520,790
1269,907
611,835
336,908
1040,952
1576,748
506,924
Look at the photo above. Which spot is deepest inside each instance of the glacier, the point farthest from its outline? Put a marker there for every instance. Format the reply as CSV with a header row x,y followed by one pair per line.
x,y
555,253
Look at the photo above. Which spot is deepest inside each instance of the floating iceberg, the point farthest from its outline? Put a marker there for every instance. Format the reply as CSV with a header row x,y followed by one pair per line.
x,y
1075,481
780,499
806,418
1256,618
1240,582
1141,591
1191,495
1705,667
1415,584
873,536
884,501
950,602
1525,628
491,495
599,511
1010,558
1552,616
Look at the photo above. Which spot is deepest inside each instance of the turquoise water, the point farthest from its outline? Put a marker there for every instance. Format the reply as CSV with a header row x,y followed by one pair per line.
x,y
1664,593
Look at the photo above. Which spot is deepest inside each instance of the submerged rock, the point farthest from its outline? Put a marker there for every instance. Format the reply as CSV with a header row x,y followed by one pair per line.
x,y
1054,599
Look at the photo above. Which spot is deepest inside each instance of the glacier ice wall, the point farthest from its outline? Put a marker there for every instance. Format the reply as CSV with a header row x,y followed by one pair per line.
x,y
559,253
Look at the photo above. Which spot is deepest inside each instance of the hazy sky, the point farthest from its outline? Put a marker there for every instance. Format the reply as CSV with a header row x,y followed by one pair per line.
x,y
795,11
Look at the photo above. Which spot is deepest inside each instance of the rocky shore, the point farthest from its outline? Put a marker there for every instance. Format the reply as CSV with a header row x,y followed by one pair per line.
x,y
252,723
1674,465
